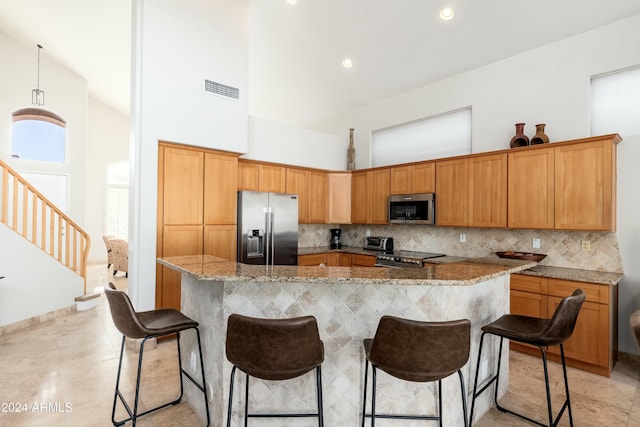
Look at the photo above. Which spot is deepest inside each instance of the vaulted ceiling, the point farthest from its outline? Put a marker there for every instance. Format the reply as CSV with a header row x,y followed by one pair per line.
x,y
296,51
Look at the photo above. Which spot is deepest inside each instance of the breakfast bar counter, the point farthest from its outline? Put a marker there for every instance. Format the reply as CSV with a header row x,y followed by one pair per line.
x,y
347,303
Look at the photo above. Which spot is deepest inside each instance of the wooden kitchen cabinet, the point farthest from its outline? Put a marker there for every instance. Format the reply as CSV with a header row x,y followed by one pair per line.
x,y
297,182
312,259
358,260
338,259
311,188
593,344
318,194
369,196
248,177
487,191
196,210
359,204
221,241
272,178
220,183
413,179
531,187
472,191
452,192
182,174
258,176
176,240
585,186
339,198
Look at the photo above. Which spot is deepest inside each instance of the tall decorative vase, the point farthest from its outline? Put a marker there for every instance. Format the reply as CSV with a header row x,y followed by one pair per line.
x,y
540,137
351,152
520,139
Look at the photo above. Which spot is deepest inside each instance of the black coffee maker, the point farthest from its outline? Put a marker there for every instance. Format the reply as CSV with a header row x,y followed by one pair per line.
x,y
335,238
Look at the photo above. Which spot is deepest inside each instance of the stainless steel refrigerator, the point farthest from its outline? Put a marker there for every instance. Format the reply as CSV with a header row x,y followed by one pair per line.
x,y
267,228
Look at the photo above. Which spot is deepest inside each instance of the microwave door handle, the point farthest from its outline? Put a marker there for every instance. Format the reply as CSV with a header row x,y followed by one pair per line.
x,y
407,197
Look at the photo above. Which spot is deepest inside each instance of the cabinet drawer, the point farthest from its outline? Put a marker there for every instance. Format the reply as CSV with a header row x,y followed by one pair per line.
x,y
594,293
363,260
520,282
528,304
313,259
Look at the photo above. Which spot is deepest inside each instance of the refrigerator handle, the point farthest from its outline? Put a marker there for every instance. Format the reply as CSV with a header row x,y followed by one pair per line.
x,y
268,226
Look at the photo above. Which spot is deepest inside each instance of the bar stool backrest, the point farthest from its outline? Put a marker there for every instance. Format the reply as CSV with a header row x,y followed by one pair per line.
x,y
420,351
274,349
563,321
123,314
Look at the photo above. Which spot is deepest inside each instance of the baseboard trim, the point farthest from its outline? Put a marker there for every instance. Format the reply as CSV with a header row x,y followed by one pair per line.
x,y
36,320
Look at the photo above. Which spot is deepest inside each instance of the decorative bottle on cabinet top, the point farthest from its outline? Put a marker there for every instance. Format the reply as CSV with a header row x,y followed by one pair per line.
x,y
520,139
540,137
351,152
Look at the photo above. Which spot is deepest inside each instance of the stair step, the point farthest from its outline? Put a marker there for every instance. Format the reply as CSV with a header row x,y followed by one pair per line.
x,y
87,302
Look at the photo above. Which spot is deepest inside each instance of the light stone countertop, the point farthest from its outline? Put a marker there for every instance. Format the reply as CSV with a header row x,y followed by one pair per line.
x,y
206,267
578,275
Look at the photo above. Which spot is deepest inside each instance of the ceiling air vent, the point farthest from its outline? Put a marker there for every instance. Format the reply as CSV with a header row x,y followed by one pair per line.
x,y
222,90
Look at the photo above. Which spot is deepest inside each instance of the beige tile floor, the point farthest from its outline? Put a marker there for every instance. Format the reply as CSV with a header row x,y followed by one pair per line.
x,y
63,373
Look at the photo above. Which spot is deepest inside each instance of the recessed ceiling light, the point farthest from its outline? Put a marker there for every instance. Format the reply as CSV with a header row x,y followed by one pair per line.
x,y
346,63
292,1
447,14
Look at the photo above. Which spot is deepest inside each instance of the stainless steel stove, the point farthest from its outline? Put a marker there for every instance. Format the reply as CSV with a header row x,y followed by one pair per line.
x,y
404,259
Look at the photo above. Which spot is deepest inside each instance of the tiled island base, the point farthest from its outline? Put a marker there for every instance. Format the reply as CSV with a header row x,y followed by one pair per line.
x,y
346,313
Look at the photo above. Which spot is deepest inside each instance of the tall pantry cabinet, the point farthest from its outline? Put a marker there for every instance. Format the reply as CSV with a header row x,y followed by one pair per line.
x,y
196,210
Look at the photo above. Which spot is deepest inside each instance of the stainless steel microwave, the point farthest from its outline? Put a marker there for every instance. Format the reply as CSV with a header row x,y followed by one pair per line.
x,y
412,208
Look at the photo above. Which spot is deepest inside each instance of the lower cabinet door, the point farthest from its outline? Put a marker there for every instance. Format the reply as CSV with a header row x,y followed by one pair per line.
x,y
527,304
590,338
312,260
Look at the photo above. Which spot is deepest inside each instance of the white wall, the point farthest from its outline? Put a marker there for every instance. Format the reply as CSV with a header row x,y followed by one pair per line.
x,y
176,46
107,143
26,291
546,85
65,95
283,143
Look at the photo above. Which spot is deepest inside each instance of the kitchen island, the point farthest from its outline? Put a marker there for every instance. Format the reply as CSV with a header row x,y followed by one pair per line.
x,y
347,302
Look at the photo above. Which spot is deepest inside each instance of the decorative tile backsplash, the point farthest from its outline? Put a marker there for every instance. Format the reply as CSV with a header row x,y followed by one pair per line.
x,y
563,248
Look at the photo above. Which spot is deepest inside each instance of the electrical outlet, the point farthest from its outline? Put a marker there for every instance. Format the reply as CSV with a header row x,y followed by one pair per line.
x,y
193,362
463,238
536,243
586,245
368,232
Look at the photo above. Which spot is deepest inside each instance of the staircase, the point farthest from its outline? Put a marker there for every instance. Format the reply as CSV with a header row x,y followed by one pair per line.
x,y
29,214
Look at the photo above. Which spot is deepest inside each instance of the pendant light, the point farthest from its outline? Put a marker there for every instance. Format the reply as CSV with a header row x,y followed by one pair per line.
x,y
37,95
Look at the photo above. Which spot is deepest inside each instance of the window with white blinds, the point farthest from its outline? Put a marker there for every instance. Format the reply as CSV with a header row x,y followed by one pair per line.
x,y
435,137
117,203
615,103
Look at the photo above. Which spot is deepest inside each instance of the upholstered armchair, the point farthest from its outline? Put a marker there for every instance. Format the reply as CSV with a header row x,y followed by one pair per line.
x,y
120,252
107,243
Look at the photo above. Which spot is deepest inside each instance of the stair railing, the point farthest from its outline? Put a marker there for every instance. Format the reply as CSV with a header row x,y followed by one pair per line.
x,y
27,212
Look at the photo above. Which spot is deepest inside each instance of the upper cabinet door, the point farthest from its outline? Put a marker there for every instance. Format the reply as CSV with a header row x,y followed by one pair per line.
x,y
220,183
378,194
317,197
359,198
423,177
298,183
272,178
339,198
488,191
182,186
585,186
452,192
531,189
401,180
248,176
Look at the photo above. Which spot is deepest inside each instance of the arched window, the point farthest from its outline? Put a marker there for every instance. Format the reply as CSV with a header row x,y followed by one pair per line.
x,y
38,134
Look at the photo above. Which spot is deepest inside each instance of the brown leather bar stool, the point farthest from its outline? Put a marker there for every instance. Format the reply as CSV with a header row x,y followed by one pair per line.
x,y
274,349
416,351
541,333
146,325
